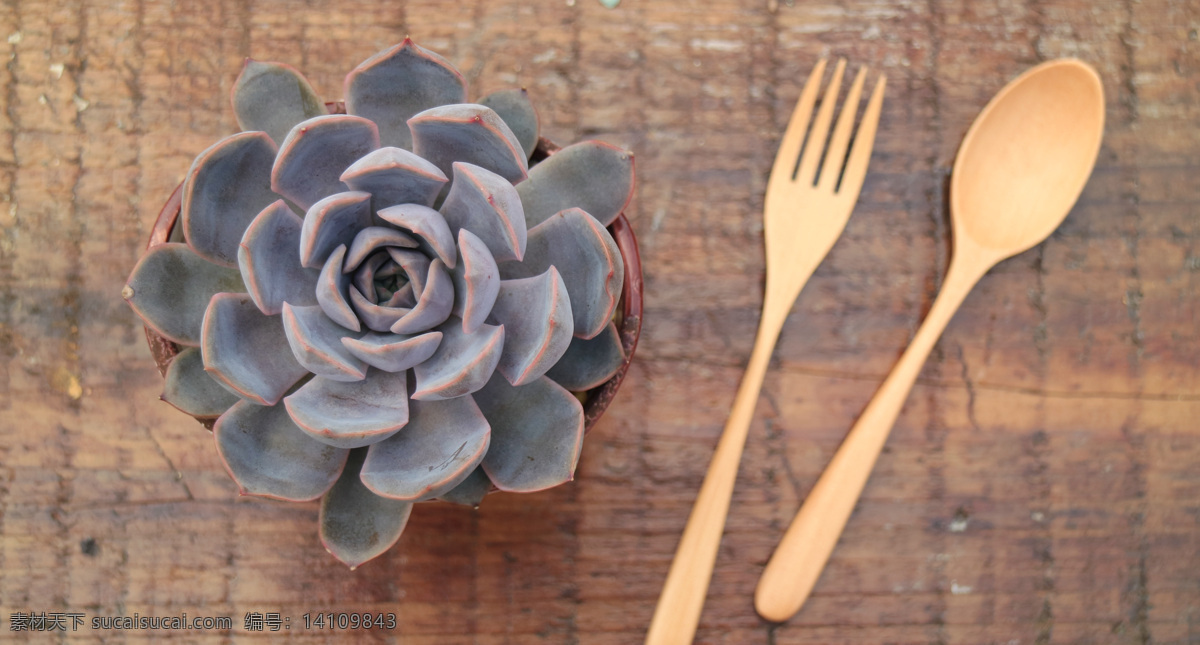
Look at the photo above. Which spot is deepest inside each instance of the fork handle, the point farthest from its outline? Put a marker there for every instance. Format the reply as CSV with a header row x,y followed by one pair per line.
x,y
797,562
678,612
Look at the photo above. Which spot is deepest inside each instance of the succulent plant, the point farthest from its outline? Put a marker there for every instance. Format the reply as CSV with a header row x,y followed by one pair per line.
x,y
389,305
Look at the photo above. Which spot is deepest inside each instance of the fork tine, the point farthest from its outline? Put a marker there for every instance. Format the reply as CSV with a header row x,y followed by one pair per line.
x,y
789,148
820,129
860,152
835,156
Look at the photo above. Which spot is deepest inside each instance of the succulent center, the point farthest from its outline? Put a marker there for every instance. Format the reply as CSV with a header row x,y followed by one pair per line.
x,y
389,279
392,277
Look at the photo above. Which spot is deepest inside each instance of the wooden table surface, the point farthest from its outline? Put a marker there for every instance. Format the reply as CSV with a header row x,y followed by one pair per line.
x,y
1041,486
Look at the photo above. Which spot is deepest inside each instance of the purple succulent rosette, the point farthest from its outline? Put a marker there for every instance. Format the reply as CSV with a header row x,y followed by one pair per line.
x,y
389,306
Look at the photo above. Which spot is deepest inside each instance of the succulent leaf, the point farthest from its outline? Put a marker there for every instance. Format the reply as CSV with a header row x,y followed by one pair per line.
x,y
470,491
170,287
427,224
588,363
433,305
333,295
588,259
487,205
537,434
518,112
269,260
225,189
395,176
316,152
356,524
393,352
370,239
536,315
415,265
247,350
476,281
333,221
462,363
316,342
393,85
190,389
442,444
404,296
591,175
354,414
471,133
269,456
363,277
273,97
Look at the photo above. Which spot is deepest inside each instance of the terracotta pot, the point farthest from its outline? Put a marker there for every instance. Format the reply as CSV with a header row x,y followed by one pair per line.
x,y
629,309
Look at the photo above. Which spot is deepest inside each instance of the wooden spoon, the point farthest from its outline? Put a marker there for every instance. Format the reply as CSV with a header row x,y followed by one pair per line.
x,y
1019,171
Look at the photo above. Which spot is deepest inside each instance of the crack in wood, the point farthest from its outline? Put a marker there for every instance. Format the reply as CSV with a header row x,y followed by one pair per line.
x,y
966,378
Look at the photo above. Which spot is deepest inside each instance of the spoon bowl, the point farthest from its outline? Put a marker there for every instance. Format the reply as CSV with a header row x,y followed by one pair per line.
x,y
1018,172
1027,156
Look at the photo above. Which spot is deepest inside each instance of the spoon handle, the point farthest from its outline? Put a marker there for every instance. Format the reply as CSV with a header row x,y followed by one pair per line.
x,y
798,560
682,599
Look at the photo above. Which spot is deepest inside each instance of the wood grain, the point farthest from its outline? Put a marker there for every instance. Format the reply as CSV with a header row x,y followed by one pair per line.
x,y
1040,486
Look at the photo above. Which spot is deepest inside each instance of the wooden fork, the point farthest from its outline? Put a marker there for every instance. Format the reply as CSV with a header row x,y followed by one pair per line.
x,y
803,216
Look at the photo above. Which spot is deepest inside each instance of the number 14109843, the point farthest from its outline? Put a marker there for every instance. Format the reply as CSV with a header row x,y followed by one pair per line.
x,y
349,620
